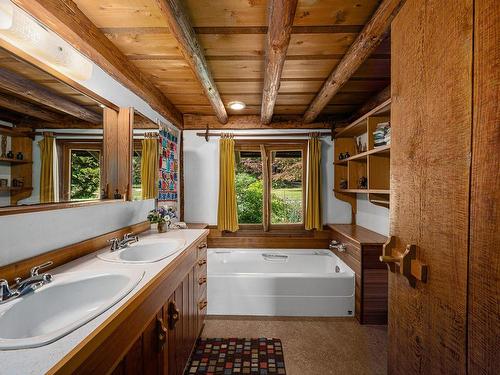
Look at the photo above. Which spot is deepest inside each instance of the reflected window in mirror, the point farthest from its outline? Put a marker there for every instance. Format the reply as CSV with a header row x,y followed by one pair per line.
x,y
136,172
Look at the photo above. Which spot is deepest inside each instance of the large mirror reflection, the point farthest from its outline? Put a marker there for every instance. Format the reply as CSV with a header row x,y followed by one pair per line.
x,y
51,138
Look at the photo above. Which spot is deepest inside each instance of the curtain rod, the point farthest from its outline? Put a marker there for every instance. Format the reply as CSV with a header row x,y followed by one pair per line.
x,y
100,135
208,134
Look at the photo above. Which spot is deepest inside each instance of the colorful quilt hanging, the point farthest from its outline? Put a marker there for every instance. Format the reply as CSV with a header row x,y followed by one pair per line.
x,y
168,166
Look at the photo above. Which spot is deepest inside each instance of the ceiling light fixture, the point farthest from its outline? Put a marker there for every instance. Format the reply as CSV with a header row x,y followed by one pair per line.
x,y
21,30
237,105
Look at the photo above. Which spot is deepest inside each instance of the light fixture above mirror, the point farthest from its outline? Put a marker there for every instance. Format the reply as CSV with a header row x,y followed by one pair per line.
x,y
21,30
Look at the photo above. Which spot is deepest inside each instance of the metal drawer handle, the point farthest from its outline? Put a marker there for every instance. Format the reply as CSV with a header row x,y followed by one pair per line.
x,y
337,245
202,246
202,305
202,280
201,262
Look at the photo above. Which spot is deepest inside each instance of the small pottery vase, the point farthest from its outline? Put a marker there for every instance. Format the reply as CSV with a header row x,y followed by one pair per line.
x,y
162,227
19,156
10,155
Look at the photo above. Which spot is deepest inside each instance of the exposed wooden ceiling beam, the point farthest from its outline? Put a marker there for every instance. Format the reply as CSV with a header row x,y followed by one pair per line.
x,y
25,108
373,102
228,30
366,42
183,32
197,122
280,19
23,87
338,56
64,18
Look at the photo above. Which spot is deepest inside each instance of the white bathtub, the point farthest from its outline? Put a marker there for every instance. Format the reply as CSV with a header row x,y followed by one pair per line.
x,y
275,282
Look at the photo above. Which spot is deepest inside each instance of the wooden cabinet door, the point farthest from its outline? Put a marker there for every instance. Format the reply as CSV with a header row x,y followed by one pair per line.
x,y
148,353
181,315
431,82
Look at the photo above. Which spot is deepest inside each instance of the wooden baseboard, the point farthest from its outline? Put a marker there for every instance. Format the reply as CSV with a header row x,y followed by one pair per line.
x,y
298,239
68,253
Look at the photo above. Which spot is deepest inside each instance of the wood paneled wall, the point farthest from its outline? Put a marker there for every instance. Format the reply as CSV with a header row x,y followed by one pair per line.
x,y
259,239
484,254
431,118
117,130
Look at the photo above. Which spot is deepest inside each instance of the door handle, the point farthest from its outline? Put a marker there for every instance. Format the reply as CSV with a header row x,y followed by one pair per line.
x,y
407,262
162,334
173,315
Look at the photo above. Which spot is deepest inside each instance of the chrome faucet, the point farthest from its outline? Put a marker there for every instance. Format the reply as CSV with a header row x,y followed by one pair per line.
x,y
22,287
117,244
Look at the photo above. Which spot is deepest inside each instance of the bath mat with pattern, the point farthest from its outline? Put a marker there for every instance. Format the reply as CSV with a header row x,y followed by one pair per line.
x,y
237,356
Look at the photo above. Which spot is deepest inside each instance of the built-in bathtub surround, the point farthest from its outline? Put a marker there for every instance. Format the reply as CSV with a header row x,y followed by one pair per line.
x,y
279,282
27,235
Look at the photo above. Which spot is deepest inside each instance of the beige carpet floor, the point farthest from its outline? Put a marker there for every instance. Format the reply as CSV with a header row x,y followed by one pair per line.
x,y
314,346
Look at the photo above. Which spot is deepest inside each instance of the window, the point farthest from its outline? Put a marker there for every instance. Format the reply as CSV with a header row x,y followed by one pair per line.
x,y
249,187
136,173
286,187
81,166
85,174
270,194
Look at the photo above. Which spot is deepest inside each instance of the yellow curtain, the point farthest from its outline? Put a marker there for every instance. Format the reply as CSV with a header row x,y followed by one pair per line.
x,y
313,201
47,180
227,215
149,168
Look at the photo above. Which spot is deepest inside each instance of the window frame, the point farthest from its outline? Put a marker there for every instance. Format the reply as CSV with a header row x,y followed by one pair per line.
x,y
272,145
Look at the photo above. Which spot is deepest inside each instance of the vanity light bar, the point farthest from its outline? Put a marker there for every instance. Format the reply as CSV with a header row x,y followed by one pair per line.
x,y
21,30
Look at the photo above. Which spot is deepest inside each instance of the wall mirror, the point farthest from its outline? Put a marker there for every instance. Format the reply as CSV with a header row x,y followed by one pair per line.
x,y
51,138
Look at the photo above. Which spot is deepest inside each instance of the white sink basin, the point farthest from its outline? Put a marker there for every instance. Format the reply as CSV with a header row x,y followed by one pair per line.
x,y
145,251
58,308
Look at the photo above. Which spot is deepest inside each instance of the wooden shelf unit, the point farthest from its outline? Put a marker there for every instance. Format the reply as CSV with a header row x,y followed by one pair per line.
x,y
374,164
21,141
14,161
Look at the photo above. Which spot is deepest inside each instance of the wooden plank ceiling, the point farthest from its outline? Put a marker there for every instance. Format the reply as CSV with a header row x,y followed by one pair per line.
x,y
26,108
232,35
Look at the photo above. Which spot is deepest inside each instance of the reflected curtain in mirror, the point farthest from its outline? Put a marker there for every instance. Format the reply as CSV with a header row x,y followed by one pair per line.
x,y
149,167
227,217
49,184
313,199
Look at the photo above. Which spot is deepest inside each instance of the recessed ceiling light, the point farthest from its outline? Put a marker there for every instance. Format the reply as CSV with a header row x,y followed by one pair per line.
x,y
102,106
237,105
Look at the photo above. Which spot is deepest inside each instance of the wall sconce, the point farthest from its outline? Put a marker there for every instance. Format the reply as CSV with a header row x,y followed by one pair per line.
x,y
21,30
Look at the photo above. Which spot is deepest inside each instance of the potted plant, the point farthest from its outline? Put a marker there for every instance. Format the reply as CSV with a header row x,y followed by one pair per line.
x,y
161,216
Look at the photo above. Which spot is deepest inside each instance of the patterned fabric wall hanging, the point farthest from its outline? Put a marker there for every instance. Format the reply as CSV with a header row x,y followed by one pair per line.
x,y
168,166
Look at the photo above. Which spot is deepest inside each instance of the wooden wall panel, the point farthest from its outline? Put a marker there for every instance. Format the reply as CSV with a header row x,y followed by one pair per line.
x,y
484,255
110,150
259,239
431,119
